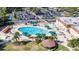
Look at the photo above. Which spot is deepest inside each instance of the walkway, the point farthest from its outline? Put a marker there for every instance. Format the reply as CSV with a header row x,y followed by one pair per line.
x,y
65,44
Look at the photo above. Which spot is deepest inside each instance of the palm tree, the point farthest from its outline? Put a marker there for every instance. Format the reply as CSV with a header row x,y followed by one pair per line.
x,y
40,37
43,36
16,36
38,40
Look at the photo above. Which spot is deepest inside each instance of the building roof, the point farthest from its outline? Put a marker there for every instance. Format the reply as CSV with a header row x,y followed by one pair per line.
x,y
48,43
72,21
76,28
5,29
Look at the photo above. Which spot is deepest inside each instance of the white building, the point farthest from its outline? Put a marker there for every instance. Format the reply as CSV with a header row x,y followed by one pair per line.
x,y
68,24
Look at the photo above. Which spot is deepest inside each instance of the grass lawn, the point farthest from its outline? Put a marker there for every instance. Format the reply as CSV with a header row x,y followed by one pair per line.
x,y
62,48
12,47
33,46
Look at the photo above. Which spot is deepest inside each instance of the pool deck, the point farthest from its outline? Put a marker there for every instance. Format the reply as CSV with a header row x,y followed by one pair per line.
x,y
40,27
15,29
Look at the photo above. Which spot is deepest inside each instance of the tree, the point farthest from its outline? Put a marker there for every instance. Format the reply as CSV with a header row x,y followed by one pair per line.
x,y
34,9
2,14
16,36
69,11
74,42
2,11
12,9
51,37
40,37
38,40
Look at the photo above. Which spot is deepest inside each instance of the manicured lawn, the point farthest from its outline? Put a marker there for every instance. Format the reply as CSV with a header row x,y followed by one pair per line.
x,y
62,48
33,46
12,47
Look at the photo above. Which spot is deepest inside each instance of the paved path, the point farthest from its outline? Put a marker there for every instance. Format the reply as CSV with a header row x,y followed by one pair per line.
x,y
65,44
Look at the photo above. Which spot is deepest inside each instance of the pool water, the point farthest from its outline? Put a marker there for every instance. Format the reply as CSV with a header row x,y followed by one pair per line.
x,y
33,30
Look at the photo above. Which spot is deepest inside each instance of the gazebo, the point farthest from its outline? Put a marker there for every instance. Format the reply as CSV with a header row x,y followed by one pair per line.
x,y
48,43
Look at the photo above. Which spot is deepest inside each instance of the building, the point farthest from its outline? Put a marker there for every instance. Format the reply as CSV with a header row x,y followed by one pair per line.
x,y
68,24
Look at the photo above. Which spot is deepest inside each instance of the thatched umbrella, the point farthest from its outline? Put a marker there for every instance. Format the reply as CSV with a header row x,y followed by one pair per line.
x,y
48,43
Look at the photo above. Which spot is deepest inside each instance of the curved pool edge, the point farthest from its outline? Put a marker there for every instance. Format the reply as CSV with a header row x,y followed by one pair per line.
x,y
42,28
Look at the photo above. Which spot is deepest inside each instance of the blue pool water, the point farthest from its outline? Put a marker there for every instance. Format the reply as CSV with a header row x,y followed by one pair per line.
x,y
32,30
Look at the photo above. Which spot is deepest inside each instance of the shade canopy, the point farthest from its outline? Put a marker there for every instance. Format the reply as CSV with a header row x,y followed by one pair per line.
x,y
48,43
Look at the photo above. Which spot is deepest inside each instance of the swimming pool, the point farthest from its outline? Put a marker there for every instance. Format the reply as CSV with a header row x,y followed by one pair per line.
x,y
33,31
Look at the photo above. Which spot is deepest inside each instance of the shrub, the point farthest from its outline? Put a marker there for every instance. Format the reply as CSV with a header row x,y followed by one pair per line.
x,y
73,43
